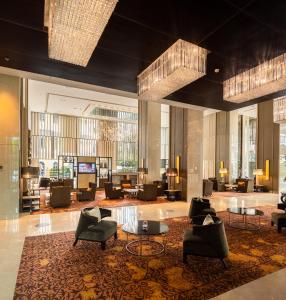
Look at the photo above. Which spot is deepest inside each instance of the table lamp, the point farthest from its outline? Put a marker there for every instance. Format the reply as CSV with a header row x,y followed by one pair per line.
x,y
29,173
222,172
171,172
257,173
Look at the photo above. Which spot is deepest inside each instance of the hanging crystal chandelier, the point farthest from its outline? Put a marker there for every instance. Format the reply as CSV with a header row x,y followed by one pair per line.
x,y
266,78
279,110
75,26
178,66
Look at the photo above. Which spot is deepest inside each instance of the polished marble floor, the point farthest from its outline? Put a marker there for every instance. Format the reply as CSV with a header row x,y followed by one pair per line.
x,y
14,231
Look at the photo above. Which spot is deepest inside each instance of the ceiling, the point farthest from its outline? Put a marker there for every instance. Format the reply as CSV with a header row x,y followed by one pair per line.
x,y
59,99
238,33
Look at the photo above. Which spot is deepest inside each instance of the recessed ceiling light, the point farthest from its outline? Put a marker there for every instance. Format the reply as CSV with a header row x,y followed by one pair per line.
x,y
6,58
216,70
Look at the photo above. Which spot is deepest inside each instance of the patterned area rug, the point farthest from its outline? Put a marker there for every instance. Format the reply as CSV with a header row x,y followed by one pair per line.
x,y
100,201
51,268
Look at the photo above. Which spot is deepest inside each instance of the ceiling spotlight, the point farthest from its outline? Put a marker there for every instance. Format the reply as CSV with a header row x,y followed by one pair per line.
x,y
6,58
216,70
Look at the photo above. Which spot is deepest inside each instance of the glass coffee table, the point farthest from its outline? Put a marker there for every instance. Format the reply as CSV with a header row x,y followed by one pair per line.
x,y
154,228
245,213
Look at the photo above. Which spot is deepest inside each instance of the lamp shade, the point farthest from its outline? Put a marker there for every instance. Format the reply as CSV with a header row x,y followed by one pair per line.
x,y
172,172
142,170
258,172
223,170
30,172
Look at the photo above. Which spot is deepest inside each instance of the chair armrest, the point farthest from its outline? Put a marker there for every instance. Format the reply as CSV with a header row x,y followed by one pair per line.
x,y
198,220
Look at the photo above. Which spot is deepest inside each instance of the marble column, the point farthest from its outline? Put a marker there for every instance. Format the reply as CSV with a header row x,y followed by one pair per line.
x,y
268,142
149,138
186,141
9,146
194,153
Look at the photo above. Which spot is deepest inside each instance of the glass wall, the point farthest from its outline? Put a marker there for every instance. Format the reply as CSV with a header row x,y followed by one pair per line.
x,y
53,135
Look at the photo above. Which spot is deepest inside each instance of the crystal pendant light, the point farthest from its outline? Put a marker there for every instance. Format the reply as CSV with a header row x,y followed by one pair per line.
x,y
266,78
75,26
279,110
178,66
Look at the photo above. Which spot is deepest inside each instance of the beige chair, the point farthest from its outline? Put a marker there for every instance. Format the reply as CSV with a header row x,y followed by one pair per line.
x,y
60,196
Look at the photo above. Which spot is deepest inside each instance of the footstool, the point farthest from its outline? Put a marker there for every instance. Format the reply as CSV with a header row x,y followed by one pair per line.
x,y
278,219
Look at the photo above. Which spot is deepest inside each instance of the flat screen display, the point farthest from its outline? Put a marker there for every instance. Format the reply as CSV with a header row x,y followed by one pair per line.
x,y
86,168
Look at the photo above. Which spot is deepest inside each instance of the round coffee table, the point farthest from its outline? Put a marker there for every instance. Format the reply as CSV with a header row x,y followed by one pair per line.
x,y
245,213
154,228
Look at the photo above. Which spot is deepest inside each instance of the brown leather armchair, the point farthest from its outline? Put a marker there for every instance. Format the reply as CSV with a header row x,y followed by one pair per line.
x,y
149,192
60,196
86,194
112,193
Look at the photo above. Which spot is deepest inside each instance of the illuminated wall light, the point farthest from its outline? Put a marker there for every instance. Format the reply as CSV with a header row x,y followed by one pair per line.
x,y
266,78
178,66
178,168
267,169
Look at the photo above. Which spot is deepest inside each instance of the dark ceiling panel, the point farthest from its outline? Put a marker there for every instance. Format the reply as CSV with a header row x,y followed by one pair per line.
x,y
238,33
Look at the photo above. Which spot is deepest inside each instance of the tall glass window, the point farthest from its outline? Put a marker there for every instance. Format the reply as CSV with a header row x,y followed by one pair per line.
x,y
282,170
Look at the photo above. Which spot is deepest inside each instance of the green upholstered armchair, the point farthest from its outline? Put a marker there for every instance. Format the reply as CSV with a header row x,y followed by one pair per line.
x,y
89,229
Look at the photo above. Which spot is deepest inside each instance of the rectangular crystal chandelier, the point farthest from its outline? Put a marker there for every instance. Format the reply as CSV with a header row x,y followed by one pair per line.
x,y
279,110
266,78
75,26
178,66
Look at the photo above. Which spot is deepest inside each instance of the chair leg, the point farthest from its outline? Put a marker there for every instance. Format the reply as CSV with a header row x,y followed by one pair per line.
x,y
224,263
103,245
115,235
184,258
75,242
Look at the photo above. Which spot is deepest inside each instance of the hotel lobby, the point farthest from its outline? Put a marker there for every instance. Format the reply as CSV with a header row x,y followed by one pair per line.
x,y
142,149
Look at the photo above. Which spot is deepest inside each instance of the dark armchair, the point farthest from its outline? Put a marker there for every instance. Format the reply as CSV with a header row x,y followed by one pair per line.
x,y
89,229
112,193
161,187
86,194
207,187
200,206
60,196
149,192
206,240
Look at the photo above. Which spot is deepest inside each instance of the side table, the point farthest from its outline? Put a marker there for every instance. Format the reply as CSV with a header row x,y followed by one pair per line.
x,y
30,203
173,195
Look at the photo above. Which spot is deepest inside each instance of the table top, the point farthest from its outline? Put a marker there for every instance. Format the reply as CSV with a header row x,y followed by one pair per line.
x,y
231,185
172,191
131,190
245,211
154,228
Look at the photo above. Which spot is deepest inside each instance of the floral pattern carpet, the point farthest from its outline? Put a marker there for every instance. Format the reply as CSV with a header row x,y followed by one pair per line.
x,y
51,268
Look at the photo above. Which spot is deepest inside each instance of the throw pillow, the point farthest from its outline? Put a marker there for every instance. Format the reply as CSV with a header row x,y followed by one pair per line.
x,y
208,220
126,185
95,212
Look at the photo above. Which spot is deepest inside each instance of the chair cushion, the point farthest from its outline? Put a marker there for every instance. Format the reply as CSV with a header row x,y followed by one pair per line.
x,y
95,212
208,220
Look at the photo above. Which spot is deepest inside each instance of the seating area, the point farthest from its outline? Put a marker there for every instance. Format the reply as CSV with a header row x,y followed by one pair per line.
x,y
142,150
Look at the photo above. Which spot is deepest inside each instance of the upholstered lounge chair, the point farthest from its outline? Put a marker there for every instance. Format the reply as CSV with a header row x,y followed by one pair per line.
x,y
206,240
112,193
149,192
86,194
89,229
60,196
200,206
